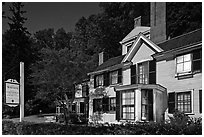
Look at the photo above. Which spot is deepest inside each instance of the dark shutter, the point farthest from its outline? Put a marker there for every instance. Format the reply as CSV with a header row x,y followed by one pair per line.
x,y
118,102
200,100
106,79
120,75
94,105
133,74
150,104
94,81
171,102
152,72
197,60
105,102
82,106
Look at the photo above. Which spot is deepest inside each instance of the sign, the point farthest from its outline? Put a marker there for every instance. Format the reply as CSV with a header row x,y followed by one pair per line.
x,y
12,92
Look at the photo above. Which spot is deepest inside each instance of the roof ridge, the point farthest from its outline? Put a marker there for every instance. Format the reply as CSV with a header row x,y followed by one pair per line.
x,y
180,36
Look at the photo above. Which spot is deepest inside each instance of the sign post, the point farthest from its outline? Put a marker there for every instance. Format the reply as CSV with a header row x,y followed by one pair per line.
x,y
21,91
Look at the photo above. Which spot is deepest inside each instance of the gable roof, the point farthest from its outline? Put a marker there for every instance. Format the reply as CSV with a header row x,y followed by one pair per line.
x,y
135,46
182,40
135,32
110,62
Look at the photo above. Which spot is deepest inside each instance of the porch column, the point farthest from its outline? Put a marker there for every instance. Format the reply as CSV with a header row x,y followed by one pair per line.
x,y
138,104
154,105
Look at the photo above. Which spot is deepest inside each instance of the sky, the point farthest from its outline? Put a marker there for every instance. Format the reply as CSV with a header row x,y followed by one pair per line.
x,y
43,15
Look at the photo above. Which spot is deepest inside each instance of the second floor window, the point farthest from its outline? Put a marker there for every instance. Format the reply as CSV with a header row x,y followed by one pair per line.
x,y
189,63
143,73
114,77
99,80
183,64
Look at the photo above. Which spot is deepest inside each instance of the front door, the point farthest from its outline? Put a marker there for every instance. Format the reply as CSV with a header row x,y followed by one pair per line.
x,y
147,104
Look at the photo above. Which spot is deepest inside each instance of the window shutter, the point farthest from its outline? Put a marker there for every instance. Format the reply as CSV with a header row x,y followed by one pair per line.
x,y
171,103
106,79
120,75
150,102
197,60
133,74
82,107
105,102
94,105
152,72
118,102
200,100
94,81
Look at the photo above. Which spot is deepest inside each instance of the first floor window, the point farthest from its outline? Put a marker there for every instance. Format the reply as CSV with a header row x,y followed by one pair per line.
x,y
128,105
147,104
112,104
97,105
74,107
180,102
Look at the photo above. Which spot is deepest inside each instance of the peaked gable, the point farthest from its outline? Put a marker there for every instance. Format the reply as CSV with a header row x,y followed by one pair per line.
x,y
137,44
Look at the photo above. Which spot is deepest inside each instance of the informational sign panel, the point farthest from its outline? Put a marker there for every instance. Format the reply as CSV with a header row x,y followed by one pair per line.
x,y
12,92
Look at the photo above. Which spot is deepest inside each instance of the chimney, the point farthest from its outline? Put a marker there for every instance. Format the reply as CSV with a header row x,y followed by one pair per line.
x,y
101,58
137,21
158,22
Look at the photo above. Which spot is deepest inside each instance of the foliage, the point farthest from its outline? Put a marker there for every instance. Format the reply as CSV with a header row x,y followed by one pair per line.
x,y
151,128
95,118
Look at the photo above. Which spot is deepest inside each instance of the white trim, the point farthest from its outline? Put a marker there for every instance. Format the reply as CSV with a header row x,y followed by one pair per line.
x,y
141,36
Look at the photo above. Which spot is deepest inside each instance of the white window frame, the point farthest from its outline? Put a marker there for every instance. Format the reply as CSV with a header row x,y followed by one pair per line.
x,y
183,62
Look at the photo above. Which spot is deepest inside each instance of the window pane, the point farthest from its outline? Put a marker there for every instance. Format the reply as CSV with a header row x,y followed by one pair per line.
x,y
179,68
187,66
179,59
187,57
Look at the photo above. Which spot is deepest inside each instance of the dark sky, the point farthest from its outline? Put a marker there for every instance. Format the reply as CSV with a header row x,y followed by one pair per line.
x,y
42,15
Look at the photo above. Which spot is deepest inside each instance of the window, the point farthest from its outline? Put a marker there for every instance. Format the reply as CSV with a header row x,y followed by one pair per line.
x,y
189,63
99,80
85,90
128,98
114,77
183,64
143,73
180,101
112,104
147,104
97,105
74,107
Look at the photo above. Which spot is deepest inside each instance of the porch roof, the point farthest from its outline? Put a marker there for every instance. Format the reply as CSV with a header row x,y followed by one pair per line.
x,y
140,86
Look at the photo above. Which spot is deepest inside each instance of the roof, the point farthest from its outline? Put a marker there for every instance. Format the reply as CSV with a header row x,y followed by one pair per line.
x,y
135,32
182,40
110,62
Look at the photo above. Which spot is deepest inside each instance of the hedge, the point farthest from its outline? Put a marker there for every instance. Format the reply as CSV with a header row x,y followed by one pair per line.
x,y
152,128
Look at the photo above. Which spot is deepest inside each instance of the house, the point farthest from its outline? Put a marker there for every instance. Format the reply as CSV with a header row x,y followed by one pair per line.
x,y
124,87
152,78
179,69
80,103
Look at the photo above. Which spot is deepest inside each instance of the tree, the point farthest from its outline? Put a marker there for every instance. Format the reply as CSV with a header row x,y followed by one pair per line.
x,y
16,47
183,17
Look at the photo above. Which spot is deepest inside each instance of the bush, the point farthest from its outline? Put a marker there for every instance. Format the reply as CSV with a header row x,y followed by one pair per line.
x,y
194,127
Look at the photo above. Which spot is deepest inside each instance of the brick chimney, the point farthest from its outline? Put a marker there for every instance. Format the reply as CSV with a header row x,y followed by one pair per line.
x,y
137,21
158,22
102,57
